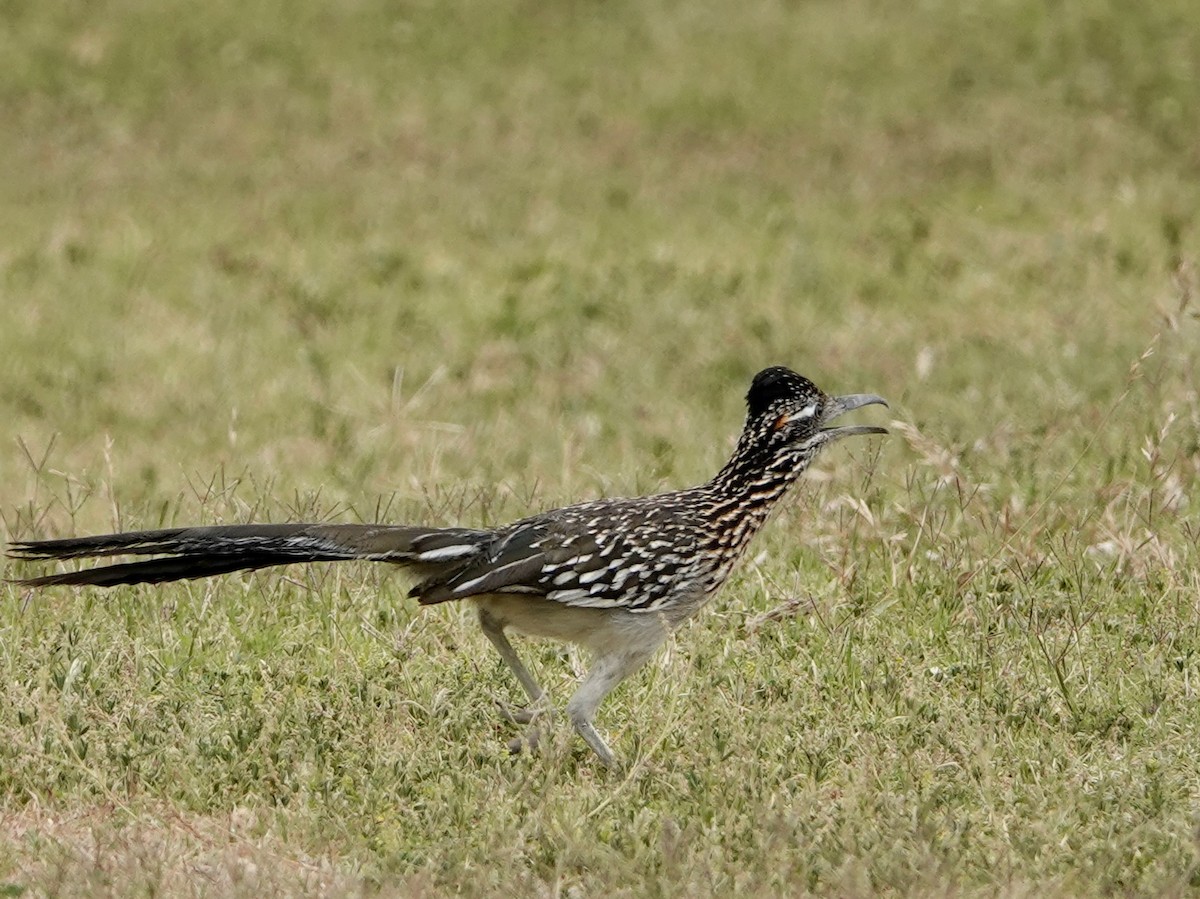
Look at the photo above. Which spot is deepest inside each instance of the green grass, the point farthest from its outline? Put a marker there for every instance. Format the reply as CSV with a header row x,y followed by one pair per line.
x,y
458,262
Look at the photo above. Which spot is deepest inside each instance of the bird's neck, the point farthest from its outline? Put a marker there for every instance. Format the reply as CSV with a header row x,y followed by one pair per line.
x,y
753,480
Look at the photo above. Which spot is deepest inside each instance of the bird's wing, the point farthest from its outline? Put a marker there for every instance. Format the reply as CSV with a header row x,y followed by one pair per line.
x,y
568,560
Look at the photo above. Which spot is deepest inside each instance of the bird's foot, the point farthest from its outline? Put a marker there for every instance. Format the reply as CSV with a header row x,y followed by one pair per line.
x,y
527,742
527,715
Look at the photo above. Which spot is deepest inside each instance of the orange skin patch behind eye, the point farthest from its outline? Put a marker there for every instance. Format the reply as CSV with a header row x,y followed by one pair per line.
x,y
780,422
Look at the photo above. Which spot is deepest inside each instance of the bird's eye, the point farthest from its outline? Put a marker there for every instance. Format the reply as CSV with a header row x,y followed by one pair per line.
x,y
788,418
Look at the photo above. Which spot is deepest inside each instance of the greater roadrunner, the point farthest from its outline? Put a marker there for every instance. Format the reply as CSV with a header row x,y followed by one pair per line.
x,y
615,576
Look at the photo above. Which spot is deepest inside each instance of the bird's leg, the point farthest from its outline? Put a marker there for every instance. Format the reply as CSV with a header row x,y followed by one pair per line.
x,y
604,675
494,631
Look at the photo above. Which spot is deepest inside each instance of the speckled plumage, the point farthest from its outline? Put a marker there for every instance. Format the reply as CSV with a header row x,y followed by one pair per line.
x,y
613,575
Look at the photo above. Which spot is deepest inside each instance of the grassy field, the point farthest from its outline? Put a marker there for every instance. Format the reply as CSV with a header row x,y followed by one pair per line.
x,y
454,263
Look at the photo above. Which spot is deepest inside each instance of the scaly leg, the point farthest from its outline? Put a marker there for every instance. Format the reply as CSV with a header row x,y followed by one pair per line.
x,y
604,675
494,631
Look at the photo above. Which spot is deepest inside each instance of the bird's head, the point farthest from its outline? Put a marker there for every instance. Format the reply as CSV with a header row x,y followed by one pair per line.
x,y
789,413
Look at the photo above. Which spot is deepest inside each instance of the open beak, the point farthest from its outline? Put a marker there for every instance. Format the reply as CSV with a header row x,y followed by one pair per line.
x,y
840,405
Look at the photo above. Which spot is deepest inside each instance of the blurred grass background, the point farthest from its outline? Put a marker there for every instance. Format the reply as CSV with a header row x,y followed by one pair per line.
x,y
455,262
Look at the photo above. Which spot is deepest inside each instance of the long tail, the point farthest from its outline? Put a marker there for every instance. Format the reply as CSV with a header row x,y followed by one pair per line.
x,y
189,553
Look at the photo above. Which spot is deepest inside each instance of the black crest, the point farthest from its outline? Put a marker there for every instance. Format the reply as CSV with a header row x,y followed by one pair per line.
x,y
778,384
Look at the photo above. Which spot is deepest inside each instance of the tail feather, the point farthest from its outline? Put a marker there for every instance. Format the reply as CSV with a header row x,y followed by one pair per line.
x,y
189,553
152,571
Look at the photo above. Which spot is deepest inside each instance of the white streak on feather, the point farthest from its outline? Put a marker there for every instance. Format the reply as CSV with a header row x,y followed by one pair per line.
x,y
444,553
